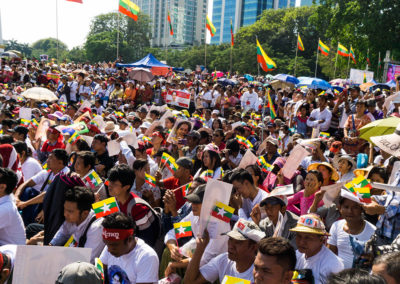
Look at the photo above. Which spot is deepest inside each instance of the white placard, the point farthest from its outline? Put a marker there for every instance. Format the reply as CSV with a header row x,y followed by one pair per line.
x,y
396,167
25,113
42,264
248,159
331,192
293,161
113,148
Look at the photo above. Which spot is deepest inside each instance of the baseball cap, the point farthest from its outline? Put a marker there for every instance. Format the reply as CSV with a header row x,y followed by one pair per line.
x,y
310,223
245,230
20,129
272,141
79,273
185,162
197,195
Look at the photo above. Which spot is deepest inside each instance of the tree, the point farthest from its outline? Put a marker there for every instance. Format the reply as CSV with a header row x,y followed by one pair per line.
x,y
24,48
49,46
107,29
77,54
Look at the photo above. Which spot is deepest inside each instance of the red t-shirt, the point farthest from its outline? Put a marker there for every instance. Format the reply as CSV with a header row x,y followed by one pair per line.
x,y
173,183
139,212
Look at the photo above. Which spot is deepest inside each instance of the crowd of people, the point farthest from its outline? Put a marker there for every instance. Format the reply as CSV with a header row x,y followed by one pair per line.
x,y
108,137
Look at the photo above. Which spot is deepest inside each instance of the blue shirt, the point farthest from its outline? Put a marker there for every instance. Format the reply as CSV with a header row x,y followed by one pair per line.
x,y
388,224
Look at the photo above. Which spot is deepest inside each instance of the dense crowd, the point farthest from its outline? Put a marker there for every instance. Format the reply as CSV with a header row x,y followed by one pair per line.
x,y
312,199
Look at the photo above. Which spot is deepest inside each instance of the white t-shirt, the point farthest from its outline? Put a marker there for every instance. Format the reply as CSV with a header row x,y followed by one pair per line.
x,y
322,264
41,177
220,266
12,230
138,266
30,168
341,240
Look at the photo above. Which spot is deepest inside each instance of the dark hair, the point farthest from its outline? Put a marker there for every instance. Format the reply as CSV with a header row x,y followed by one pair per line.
x,y
280,248
102,138
220,132
380,171
9,178
155,112
184,122
122,173
219,124
8,122
88,158
257,172
82,145
22,147
200,180
139,164
83,197
6,139
118,220
233,145
240,175
318,175
61,154
361,102
213,156
172,119
392,262
355,276
240,129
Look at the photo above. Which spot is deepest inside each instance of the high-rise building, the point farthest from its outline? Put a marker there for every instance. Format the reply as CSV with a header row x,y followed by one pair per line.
x,y
187,17
308,2
243,13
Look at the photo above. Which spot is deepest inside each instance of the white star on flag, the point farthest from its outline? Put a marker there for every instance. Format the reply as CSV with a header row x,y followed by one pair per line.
x,y
359,195
221,212
105,208
181,230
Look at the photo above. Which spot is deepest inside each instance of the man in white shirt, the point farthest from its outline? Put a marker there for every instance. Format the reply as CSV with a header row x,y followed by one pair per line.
x,y
12,229
206,97
237,262
251,194
126,258
80,228
73,85
320,118
311,252
249,99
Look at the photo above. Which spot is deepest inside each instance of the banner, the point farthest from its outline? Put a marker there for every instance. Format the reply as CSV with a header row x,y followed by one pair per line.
x,y
178,98
357,76
393,72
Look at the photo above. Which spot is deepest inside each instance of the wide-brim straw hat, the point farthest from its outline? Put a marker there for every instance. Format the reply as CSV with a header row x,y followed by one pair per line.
x,y
334,176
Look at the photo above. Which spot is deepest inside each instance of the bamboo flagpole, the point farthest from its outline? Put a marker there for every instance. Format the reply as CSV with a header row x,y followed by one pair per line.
x,y
348,64
57,28
118,35
337,52
295,60
316,61
379,64
258,64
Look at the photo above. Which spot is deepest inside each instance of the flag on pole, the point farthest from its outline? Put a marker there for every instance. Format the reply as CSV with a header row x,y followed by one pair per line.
x,y
169,162
71,242
185,189
223,212
99,266
361,188
76,1
183,229
210,26
128,8
105,207
149,179
272,112
266,63
265,167
74,138
365,78
232,37
93,179
369,62
352,55
300,45
25,122
323,48
343,51
171,31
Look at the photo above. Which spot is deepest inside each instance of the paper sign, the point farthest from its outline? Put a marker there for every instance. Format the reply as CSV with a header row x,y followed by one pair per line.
x,y
42,128
331,192
150,130
131,139
282,190
262,147
48,260
293,161
215,191
396,167
172,136
88,139
168,113
25,113
315,132
248,159
85,104
178,98
113,148
343,119
385,186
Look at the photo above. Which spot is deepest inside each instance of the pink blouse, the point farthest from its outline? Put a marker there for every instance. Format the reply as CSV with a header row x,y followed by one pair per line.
x,y
304,202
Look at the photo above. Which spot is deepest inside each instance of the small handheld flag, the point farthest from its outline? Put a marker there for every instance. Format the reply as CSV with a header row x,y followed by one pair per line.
x,y
25,122
150,180
352,55
71,242
105,207
324,135
243,141
222,212
183,229
93,179
361,188
207,174
169,162
265,167
234,280
272,111
99,266
74,138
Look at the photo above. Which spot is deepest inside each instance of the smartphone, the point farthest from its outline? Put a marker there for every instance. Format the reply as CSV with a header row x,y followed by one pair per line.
x,y
182,141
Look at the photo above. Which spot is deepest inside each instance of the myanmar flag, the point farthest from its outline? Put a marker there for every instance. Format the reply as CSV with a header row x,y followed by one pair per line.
x,y
341,50
169,162
222,212
272,112
243,141
128,8
210,26
34,123
207,174
324,135
99,266
232,37
361,188
71,242
75,137
150,180
105,207
300,43
323,48
265,167
171,31
93,179
25,122
266,63
183,229
146,139
352,55
185,189
365,78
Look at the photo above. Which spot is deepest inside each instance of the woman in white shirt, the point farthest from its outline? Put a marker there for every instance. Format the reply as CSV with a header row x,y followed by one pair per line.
x,y
210,163
30,166
346,165
352,224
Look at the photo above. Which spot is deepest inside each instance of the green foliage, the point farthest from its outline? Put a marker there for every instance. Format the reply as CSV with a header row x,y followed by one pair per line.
x,y
24,48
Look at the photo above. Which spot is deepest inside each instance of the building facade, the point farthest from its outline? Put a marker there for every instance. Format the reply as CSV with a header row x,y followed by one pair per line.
x,y
187,17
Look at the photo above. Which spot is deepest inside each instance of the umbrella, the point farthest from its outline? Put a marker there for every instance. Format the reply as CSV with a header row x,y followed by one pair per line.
x,y
16,52
364,87
276,84
287,78
269,77
9,54
77,71
39,94
314,83
226,82
141,74
379,127
249,77
340,82
391,84
380,86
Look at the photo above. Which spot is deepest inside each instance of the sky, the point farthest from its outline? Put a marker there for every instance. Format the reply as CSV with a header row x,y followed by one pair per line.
x,y
30,20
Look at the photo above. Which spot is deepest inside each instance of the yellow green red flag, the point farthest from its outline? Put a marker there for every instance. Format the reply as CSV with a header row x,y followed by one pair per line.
x,y
323,48
300,43
266,63
105,207
343,51
128,8
210,26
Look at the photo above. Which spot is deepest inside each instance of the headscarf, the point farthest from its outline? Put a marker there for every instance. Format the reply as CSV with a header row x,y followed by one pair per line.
x,y
11,160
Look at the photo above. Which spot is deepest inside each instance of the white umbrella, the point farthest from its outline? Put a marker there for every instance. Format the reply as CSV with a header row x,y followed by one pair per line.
x,y
39,94
141,75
